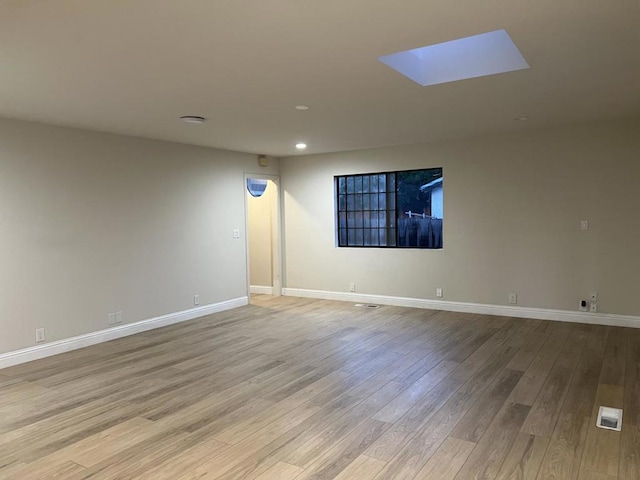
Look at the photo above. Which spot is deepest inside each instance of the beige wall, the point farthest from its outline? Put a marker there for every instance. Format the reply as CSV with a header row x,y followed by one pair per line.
x,y
260,220
512,208
93,223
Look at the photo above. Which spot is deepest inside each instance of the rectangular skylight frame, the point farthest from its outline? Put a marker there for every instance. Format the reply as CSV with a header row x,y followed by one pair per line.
x,y
489,53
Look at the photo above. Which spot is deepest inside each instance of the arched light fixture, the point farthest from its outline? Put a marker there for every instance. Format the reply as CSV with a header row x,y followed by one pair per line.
x,y
256,186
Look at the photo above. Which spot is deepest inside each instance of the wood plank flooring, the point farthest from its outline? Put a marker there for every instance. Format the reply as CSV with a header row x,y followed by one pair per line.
x,y
290,388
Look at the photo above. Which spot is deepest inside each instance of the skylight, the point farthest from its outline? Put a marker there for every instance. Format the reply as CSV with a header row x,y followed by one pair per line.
x,y
477,56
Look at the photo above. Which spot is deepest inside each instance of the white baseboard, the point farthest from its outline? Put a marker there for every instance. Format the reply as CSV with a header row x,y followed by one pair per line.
x,y
261,289
60,346
480,308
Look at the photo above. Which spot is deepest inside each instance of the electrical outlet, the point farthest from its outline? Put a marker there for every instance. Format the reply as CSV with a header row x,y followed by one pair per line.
x,y
196,299
111,319
584,225
593,297
352,287
39,335
513,298
582,306
593,307
118,317
236,233
439,292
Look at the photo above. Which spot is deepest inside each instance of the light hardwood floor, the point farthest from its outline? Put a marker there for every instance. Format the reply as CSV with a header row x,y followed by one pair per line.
x,y
302,389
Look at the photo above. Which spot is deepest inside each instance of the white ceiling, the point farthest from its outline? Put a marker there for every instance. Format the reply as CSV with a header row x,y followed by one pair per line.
x,y
134,66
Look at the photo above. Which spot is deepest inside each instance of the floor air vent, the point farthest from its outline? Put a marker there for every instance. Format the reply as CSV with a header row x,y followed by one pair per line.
x,y
366,305
610,418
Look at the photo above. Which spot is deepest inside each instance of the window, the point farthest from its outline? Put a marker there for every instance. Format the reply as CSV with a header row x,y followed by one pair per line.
x,y
391,209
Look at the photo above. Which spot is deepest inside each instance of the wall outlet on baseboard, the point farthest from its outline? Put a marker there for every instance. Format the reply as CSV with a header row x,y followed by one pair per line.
x,y
439,292
513,298
39,335
113,318
593,297
582,306
352,287
196,299
593,307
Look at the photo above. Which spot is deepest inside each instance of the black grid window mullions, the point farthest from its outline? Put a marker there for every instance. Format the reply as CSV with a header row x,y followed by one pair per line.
x,y
366,210
402,209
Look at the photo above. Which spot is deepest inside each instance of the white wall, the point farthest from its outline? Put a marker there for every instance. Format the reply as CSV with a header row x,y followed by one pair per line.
x,y
93,223
513,210
261,212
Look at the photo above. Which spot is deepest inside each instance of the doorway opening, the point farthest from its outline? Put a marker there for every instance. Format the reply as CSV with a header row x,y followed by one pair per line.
x,y
263,235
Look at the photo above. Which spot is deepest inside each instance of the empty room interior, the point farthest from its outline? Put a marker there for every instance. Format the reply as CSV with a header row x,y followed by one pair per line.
x,y
350,240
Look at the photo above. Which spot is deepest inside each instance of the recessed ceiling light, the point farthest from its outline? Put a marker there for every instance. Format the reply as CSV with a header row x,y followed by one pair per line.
x,y
302,107
521,119
193,119
301,146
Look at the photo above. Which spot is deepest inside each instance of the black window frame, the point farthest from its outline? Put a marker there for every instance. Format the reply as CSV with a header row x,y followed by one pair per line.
x,y
347,225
